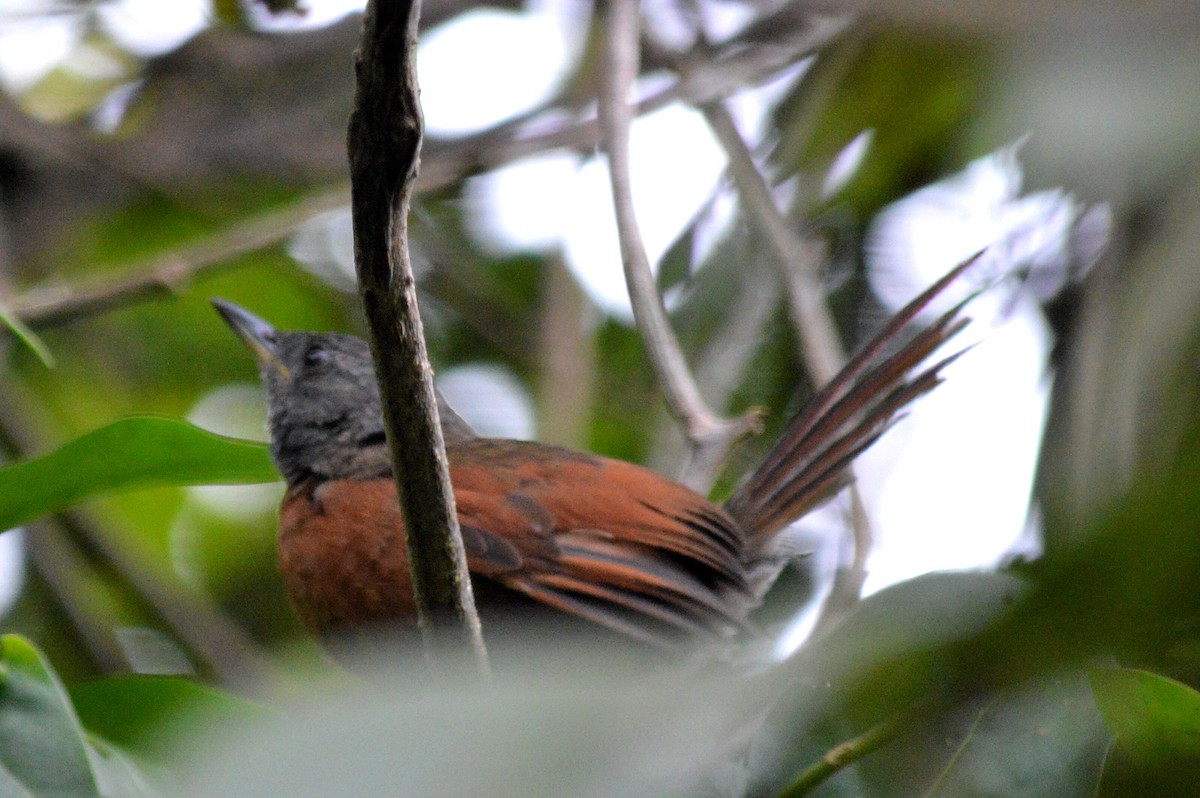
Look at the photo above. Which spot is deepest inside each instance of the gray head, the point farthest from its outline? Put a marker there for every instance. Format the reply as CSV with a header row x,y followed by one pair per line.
x,y
323,409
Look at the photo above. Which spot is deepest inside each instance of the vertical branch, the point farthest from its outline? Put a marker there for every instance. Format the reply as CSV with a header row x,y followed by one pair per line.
x,y
709,434
797,258
384,141
568,351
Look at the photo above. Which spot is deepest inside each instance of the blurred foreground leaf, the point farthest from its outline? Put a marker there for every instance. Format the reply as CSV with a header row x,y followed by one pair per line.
x,y
1041,737
901,652
109,737
1156,722
132,712
41,742
910,93
127,455
565,723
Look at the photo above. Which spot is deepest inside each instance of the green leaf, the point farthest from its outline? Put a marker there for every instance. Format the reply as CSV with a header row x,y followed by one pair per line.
x,y
135,713
130,454
1042,737
119,774
26,336
42,751
1156,722
1155,719
913,90
897,650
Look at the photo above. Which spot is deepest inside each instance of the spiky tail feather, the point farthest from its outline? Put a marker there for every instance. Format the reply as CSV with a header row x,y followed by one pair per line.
x,y
811,461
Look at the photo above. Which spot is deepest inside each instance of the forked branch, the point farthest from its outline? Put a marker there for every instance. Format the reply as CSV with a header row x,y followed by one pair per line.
x,y
709,434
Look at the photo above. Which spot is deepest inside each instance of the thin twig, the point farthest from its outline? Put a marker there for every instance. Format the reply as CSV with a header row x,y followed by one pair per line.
x,y
567,350
798,258
844,754
709,434
170,272
384,143
738,64
720,365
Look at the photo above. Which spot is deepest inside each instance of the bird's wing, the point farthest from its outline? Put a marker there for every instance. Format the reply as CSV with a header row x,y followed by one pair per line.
x,y
605,540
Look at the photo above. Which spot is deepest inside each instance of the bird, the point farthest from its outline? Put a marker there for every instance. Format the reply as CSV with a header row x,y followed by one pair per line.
x,y
550,532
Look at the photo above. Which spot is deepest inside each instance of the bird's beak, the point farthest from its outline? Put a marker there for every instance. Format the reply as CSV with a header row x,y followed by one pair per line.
x,y
254,332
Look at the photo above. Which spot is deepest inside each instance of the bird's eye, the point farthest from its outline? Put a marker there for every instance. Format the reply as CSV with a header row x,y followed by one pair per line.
x,y
316,356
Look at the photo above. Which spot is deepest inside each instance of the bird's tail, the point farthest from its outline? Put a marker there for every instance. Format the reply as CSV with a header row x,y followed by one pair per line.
x,y
811,461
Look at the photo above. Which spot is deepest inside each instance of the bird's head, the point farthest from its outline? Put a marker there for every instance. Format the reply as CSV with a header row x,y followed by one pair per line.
x,y
323,410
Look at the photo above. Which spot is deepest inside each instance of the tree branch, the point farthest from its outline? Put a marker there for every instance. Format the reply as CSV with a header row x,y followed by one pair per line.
x,y
744,61
710,435
170,272
384,141
738,63
798,258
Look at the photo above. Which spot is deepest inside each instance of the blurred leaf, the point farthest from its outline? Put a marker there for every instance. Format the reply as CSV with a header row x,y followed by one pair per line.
x,y
27,337
135,713
1131,573
127,455
899,647
901,639
1156,722
74,87
627,398
42,751
119,774
914,90
1153,717
150,651
1039,738
563,723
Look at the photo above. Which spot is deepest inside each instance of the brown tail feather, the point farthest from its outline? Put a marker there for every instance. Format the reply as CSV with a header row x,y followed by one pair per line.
x,y
810,462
